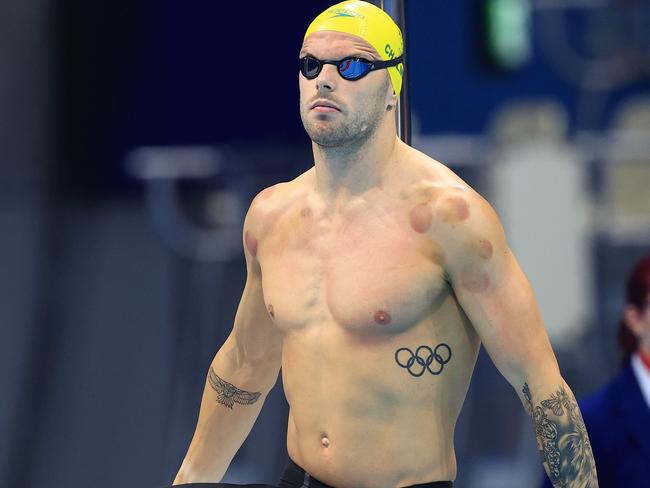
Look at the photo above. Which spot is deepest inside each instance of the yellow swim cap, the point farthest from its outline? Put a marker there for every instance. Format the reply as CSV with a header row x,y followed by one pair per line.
x,y
372,24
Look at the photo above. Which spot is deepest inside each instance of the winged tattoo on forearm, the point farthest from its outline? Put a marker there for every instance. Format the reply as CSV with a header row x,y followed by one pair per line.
x,y
228,394
562,439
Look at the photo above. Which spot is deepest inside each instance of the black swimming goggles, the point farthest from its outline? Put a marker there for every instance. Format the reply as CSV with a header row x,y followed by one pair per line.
x,y
349,68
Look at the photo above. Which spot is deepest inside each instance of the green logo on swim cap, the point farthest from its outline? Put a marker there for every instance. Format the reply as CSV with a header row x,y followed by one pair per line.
x,y
340,12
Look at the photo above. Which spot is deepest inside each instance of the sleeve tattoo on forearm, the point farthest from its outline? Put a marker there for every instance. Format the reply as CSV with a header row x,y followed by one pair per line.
x,y
228,394
562,440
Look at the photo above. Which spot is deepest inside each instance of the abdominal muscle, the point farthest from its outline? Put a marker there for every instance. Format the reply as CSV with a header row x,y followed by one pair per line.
x,y
357,419
356,453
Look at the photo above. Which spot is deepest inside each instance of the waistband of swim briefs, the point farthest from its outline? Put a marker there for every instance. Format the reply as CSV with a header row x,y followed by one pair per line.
x,y
297,476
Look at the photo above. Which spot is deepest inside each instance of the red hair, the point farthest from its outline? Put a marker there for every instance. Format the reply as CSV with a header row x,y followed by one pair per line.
x,y
636,294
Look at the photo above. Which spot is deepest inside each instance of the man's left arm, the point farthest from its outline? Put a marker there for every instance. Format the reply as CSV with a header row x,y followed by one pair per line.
x,y
499,301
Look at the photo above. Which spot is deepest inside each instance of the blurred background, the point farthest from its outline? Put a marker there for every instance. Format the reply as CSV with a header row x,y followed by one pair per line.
x,y
132,143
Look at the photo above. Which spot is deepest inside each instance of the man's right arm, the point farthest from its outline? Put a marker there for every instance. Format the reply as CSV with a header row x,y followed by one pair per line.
x,y
240,376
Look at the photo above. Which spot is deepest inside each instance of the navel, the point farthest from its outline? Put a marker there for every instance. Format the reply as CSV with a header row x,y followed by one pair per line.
x,y
270,309
421,218
325,441
251,243
382,317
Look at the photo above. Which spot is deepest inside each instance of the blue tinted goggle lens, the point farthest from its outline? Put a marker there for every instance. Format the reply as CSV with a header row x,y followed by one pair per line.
x,y
353,68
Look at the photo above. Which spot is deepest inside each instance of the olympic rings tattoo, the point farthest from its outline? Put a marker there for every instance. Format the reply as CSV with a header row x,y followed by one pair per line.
x,y
424,362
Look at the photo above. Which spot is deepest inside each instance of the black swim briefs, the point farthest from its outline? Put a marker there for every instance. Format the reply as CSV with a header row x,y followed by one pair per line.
x,y
296,477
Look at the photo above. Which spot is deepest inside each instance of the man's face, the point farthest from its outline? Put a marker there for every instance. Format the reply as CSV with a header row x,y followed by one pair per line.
x,y
362,104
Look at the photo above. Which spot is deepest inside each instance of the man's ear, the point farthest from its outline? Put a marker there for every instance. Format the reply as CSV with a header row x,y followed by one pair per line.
x,y
391,100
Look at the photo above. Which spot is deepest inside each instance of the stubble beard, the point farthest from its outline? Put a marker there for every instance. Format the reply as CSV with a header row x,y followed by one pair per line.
x,y
336,130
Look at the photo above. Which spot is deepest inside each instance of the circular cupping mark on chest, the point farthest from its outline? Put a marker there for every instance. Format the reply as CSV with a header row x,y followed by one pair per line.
x,y
452,210
421,217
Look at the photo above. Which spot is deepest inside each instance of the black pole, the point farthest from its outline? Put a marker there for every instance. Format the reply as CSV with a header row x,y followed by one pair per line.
x,y
397,10
404,107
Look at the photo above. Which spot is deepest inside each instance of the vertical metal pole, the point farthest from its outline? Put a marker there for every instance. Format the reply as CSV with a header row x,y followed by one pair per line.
x,y
397,10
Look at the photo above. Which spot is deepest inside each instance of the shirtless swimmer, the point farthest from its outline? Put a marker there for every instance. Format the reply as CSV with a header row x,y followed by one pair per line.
x,y
372,279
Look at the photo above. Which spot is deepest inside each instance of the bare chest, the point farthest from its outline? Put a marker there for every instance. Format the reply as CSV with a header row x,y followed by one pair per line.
x,y
369,272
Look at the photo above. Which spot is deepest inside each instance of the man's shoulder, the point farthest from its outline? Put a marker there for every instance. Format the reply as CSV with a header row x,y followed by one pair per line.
x,y
272,201
455,216
454,205
435,181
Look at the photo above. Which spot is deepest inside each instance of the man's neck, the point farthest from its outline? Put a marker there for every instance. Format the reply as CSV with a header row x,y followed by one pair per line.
x,y
347,172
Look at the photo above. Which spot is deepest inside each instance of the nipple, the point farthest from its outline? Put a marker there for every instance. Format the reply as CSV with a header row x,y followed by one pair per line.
x,y
382,317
